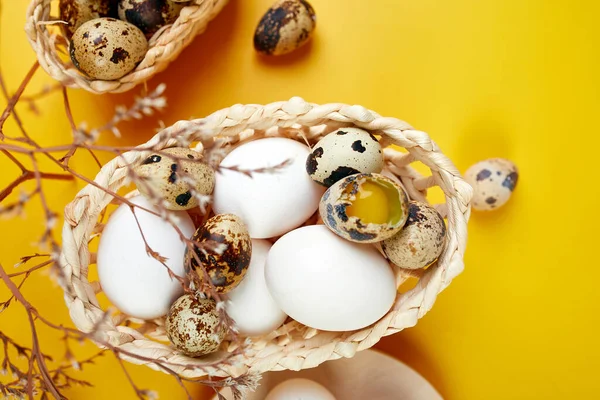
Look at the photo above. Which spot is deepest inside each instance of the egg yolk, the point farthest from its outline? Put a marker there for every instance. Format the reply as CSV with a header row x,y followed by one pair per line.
x,y
376,203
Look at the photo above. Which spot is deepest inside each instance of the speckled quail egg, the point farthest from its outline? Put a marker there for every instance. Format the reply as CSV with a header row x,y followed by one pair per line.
x,y
194,326
421,240
76,12
364,208
107,49
493,182
287,25
342,153
168,176
226,270
149,15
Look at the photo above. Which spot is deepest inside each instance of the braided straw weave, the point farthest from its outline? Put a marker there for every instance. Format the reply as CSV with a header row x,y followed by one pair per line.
x,y
292,346
164,47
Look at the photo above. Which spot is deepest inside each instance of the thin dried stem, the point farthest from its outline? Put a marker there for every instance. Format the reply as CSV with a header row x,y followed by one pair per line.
x,y
41,362
38,378
28,175
15,98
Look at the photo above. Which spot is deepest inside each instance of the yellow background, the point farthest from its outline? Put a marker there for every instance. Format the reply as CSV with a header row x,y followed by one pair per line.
x,y
509,78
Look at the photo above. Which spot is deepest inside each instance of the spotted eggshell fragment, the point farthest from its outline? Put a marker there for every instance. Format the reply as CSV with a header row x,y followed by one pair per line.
x,y
193,326
169,175
287,25
493,182
76,12
342,153
226,269
421,240
336,200
149,15
107,49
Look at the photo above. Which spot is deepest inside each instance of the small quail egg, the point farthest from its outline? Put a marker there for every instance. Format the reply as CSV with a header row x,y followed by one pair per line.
x,y
421,240
149,15
226,270
364,208
106,48
193,326
287,25
159,175
342,153
493,182
76,12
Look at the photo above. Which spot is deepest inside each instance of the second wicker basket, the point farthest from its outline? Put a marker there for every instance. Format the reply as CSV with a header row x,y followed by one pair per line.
x,y
51,46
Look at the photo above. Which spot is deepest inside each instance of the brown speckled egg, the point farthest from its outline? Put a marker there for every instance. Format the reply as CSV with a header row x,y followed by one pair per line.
x,y
421,240
76,12
342,153
169,177
364,208
149,15
107,48
225,270
287,25
493,182
193,326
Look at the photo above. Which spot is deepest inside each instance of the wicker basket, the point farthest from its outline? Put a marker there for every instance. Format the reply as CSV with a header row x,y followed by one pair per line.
x,y
164,47
292,346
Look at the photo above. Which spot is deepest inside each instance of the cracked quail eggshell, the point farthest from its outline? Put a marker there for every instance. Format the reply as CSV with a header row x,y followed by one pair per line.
x,y
107,48
421,240
493,182
194,326
227,269
342,153
167,175
336,201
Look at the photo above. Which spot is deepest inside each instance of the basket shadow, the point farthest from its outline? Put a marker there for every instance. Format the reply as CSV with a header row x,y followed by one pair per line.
x,y
201,392
199,67
402,347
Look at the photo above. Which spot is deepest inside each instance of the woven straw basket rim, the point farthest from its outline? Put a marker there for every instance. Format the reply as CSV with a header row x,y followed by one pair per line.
x,y
293,346
164,47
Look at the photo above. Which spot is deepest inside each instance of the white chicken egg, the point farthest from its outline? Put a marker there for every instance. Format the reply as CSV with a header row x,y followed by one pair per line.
x,y
329,283
269,203
250,304
299,389
135,282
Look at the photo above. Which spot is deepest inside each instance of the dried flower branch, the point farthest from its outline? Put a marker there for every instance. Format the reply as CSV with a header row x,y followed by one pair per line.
x,y
143,106
251,172
43,376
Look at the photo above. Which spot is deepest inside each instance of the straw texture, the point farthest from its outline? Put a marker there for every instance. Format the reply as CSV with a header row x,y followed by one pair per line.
x,y
165,46
293,346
